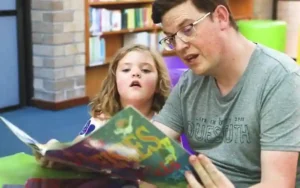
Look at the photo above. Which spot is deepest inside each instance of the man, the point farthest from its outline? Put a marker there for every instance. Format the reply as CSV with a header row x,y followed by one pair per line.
x,y
238,104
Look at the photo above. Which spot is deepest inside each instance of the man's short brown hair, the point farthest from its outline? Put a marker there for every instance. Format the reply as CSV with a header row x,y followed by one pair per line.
x,y
161,7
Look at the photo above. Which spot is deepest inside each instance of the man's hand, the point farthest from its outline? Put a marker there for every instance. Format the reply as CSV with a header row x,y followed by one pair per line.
x,y
210,176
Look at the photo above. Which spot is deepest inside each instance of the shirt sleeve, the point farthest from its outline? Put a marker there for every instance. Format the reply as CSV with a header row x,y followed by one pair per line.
x,y
90,126
171,113
280,115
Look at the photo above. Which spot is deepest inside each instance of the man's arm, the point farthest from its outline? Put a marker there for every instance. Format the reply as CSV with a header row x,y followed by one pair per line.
x,y
278,169
170,118
167,130
280,129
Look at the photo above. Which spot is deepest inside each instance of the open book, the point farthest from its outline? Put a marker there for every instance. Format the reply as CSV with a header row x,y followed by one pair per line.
x,y
104,181
128,146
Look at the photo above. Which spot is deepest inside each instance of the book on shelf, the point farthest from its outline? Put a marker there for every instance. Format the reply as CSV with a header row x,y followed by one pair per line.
x,y
128,146
105,20
145,38
97,51
97,45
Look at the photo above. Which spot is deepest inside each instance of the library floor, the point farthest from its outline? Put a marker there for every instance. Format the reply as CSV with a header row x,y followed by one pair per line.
x,y
42,125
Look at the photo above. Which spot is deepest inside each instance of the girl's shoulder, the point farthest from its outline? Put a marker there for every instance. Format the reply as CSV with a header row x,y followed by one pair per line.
x,y
101,116
101,119
93,124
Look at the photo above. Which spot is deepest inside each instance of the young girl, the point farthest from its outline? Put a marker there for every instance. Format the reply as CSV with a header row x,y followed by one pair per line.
x,y
138,77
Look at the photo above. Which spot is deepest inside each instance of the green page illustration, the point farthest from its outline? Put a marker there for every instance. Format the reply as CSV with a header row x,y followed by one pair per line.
x,y
128,146
131,147
164,159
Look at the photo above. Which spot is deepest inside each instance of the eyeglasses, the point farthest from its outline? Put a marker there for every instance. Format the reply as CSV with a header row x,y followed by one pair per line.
x,y
186,34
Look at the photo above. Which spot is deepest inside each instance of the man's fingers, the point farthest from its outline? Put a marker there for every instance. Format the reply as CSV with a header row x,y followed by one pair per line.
x,y
204,176
193,183
216,176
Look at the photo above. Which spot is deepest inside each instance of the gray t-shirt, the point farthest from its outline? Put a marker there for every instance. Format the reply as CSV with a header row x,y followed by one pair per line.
x,y
262,112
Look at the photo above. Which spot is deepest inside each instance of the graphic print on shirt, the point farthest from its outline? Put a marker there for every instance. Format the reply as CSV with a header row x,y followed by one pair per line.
x,y
87,129
228,130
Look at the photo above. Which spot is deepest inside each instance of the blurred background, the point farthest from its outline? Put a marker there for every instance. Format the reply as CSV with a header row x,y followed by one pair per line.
x,y
55,54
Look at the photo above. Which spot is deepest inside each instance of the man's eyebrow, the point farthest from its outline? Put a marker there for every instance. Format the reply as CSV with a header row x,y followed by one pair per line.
x,y
167,33
184,22
179,26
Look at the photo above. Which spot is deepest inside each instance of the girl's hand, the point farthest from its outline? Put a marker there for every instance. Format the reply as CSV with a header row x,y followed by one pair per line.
x,y
143,184
210,176
43,162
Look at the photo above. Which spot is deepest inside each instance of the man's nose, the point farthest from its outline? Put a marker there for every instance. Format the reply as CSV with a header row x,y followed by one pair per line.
x,y
180,44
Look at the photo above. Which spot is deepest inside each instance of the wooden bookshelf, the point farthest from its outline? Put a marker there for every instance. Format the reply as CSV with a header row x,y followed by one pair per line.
x,y
120,2
95,73
241,9
169,53
126,31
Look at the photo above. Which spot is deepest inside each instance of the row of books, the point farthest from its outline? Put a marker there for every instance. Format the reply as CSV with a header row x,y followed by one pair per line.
x,y
97,51
103,20
97,44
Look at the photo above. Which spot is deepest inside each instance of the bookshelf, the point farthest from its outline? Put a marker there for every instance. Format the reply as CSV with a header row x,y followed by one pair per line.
x,y
241,9
119,2
114,39
125,31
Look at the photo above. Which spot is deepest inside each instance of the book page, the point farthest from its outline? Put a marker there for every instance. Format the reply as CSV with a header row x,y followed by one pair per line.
x,y
24,137
131,147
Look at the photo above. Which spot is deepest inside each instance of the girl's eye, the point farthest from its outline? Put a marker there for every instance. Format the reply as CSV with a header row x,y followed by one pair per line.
x,y
125,70
146,70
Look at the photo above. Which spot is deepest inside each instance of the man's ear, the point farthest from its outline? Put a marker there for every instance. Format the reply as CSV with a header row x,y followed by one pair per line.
x,y
221,16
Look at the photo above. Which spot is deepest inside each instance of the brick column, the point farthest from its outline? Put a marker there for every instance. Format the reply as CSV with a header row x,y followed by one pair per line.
x,y
58,53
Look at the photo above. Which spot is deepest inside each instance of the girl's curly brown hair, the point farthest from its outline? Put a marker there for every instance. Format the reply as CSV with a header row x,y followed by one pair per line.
x,y
108,100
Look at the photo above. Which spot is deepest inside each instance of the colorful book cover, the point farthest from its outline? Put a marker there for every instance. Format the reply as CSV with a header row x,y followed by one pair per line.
x,y
12,186
106,182
127,146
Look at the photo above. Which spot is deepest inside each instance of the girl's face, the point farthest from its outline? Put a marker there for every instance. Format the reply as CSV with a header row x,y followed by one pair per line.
x,y
136,77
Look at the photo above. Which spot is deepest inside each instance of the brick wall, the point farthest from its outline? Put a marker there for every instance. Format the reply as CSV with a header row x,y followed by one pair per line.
x,y
58,49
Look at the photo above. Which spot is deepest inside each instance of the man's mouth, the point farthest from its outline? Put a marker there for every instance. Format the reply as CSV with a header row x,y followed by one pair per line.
x,y
135,84
190,58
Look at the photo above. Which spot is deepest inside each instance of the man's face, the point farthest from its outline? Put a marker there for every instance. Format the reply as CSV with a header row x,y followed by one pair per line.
x,y
202,51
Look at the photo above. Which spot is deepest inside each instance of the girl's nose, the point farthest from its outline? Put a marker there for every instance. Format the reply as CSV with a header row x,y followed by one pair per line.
x,y
136,75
